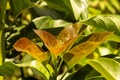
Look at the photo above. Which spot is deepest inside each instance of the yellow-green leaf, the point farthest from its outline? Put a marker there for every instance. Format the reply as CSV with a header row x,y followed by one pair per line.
x,y
85,48
108,68
31,48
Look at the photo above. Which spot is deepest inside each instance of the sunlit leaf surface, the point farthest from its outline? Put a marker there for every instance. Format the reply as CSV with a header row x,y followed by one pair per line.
x,y
109,68
107,23
47,22
45,70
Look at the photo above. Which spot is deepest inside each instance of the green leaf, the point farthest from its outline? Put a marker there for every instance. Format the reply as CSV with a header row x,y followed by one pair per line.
x,y
114,37
57,4
46,11
81,73
46,22
45,70
108,23
71,8
108,68
18,6
94,75
79,8
82,50
7,68
96,78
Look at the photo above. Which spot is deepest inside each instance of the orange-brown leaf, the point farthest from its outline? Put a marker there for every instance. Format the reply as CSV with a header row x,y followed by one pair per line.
x,y
47,38
85,48
69,32
50,42
66,34
31,48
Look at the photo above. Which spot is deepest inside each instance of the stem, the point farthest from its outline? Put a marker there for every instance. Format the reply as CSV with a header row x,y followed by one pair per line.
x,y
1,49
63,75
54,62
59,66
2,37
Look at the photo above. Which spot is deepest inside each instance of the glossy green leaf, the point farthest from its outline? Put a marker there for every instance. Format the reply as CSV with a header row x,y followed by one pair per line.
x,y
18,6
108,68
46,22
108,23
72,8
85,48
79,8
7,68
45,70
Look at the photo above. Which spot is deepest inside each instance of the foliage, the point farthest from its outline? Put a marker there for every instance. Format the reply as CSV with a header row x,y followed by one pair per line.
x,y
61,41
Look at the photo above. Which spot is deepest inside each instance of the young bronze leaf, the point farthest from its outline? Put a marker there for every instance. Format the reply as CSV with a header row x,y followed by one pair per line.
x,y
31,48
47,38
66,34
78,27
69,32
85,48
56,47
50,42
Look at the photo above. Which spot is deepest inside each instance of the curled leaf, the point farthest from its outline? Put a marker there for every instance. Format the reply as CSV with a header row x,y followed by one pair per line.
x,y
31,48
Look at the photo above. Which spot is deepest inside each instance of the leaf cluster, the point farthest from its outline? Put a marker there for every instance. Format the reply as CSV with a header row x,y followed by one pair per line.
x,y
57,40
